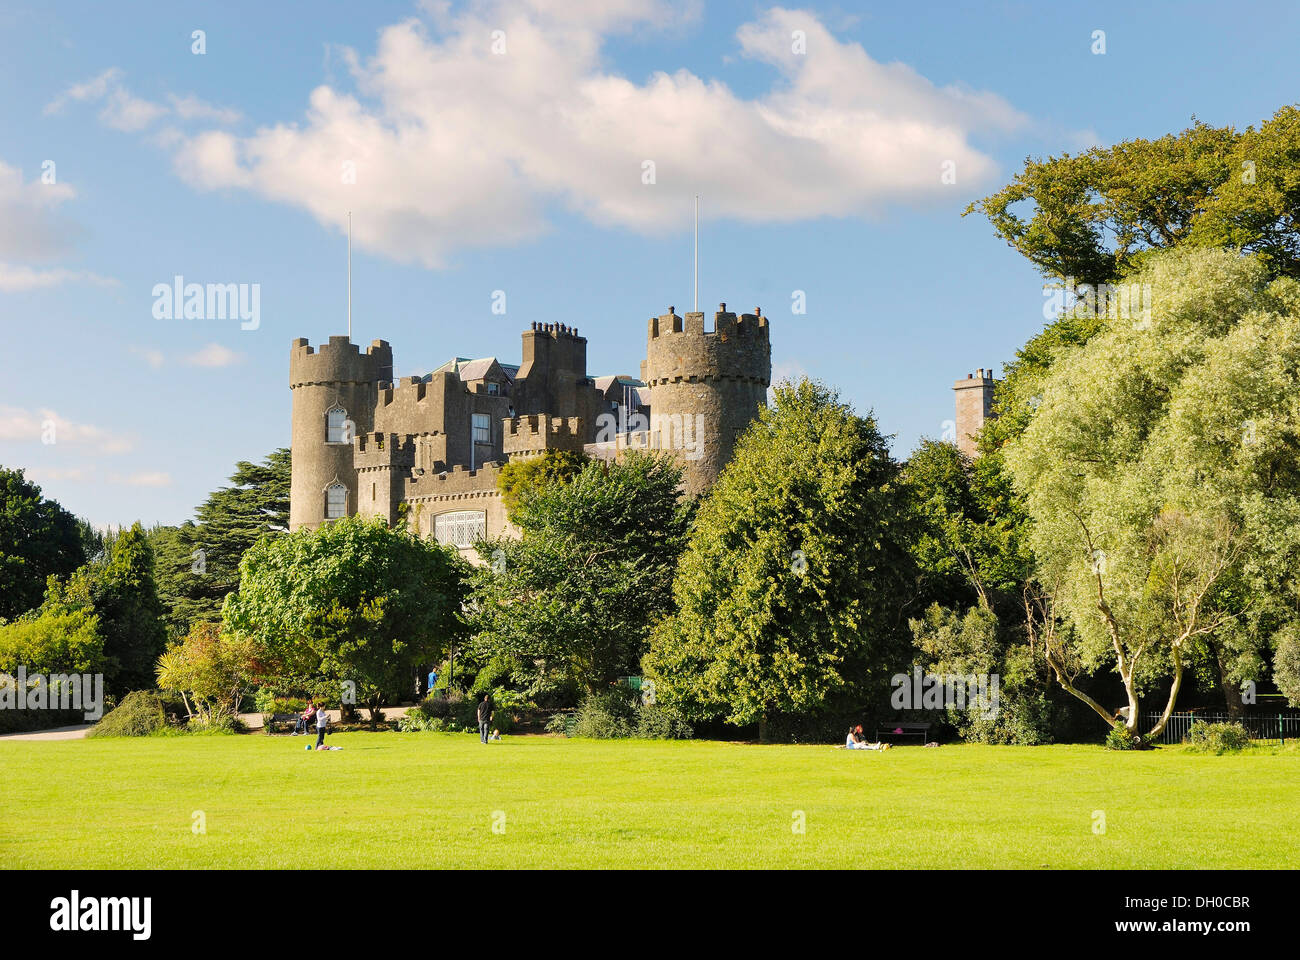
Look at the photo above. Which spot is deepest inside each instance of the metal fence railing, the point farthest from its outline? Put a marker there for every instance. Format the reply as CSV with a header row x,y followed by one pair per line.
x,y
1283,726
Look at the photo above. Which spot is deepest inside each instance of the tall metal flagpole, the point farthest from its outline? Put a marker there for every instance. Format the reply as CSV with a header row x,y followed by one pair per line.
x,y
349,274
696,308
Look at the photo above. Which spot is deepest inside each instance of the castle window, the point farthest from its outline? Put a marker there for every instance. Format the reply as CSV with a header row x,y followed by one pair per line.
x,y
482,428
494,389
336,426
460,528
336,501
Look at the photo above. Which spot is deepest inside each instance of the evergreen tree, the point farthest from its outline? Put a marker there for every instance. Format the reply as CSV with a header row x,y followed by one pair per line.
x,y
198,562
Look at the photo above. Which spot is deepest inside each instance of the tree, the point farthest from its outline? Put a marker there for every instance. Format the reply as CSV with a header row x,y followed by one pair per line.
x,y
570,603
1095,216
209,670
351,602
198,562
792,586
123,595
969,547
38,539
1159,468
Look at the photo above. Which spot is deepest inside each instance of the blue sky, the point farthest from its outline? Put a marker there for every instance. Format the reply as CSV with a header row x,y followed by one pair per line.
x,y
521,168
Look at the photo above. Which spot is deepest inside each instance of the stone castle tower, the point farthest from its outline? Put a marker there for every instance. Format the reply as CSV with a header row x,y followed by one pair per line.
x,y
974,406
333,402
705,388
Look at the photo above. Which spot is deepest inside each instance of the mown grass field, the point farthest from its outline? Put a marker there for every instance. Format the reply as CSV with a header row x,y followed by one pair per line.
x,y
431,800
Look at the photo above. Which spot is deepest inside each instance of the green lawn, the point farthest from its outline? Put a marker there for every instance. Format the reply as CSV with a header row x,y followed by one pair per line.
x,y
424,799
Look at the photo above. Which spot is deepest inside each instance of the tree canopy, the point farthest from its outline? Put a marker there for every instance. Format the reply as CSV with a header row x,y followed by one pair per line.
x,y
570,603
1094,216
38,540
351,602
1161,472
792,586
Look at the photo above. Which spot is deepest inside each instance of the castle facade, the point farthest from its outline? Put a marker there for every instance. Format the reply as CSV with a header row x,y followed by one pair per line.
x,y
365,444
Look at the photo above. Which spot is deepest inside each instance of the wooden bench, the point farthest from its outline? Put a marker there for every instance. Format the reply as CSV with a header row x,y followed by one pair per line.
x,y
921,730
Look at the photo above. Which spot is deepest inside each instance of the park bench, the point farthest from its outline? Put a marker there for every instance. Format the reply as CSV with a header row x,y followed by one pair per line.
x,y
288,719
921,730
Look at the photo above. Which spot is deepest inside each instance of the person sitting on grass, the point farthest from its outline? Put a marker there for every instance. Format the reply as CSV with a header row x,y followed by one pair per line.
x,y
857,740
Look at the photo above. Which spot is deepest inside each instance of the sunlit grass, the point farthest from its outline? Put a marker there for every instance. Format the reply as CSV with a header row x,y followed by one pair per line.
x,y
432,800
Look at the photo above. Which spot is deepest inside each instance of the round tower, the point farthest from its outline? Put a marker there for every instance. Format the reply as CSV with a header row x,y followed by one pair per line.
x,y
705,388
334,393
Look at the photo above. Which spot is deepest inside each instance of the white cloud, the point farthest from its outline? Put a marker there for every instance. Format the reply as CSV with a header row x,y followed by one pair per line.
x,y
122,110
214,355
47,427
456,146
31,228
15,278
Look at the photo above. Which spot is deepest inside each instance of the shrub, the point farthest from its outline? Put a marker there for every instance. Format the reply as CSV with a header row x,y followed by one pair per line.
x,y
417,721
140,714
1119,738
617,714
1217,738
561,723
605,716
661,723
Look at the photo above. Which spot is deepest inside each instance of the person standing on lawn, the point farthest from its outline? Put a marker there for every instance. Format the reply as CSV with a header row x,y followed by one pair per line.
x,y
484,718
322,721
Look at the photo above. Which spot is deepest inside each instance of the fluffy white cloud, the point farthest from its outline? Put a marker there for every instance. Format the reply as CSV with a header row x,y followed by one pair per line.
x,y
214,355
462,136
47,427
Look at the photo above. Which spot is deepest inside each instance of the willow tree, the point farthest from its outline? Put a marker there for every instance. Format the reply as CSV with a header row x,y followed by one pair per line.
x,y
1160,469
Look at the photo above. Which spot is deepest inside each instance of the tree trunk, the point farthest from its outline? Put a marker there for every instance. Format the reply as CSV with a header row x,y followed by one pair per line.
x,y
1231,695
1159,728
762,728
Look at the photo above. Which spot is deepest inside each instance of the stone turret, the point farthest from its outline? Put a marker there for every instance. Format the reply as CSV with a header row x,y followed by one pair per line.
x,y
705,388
337,382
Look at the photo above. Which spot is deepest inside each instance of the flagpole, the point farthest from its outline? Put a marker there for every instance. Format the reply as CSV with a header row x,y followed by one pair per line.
x,y
349,274
697,253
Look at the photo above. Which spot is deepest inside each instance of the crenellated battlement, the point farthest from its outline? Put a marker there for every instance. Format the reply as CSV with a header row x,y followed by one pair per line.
x,y
339,361
678,350
538,433
456,482
376,451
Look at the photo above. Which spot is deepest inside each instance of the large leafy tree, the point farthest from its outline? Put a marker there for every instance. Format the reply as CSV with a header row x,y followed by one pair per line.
x,y
569,604
1161,471
791,591
198,562
351,602
38,540
1094,216
119,591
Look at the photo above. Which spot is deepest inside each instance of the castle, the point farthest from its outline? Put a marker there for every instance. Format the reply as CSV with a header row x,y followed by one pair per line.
x,y
364,444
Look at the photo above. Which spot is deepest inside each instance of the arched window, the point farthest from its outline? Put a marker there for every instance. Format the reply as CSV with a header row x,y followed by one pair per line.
x,y
460,528
336,501
336,426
